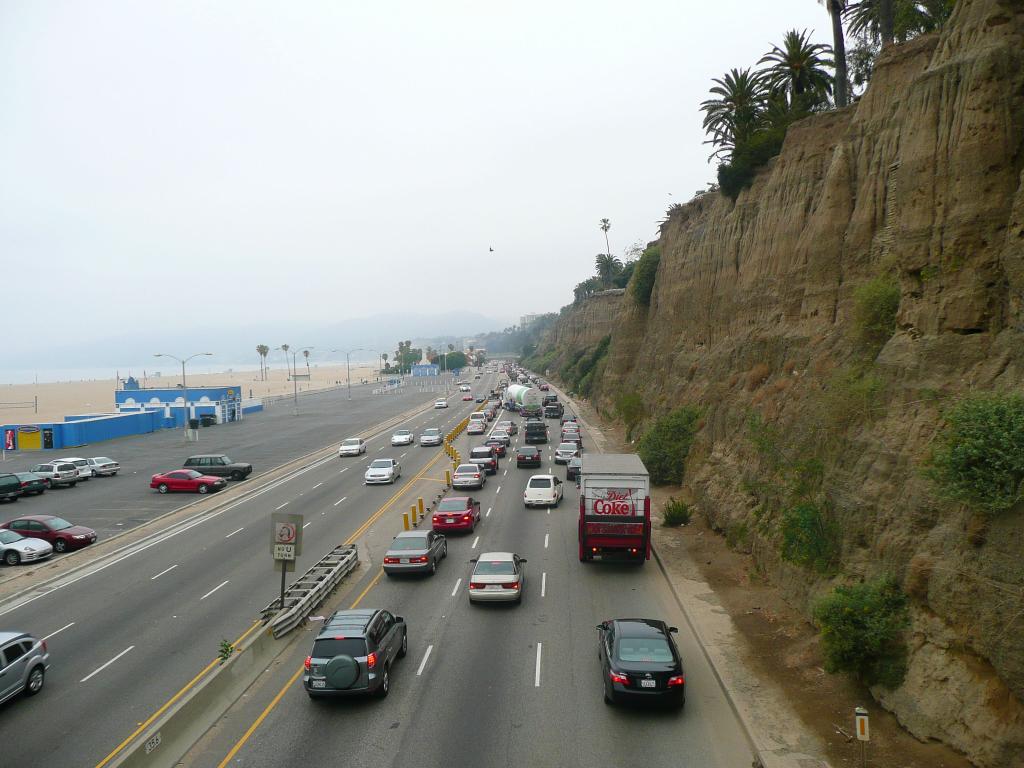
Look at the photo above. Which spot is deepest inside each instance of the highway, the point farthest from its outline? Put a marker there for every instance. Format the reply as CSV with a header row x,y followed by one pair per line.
x,y
127,637
490,685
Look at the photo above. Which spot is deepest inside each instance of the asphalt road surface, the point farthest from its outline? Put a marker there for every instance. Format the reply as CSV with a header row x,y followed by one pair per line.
x,y
125,638
491,685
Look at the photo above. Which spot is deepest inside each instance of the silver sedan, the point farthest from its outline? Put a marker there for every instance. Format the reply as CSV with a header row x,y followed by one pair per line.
x,y
15,548
497,577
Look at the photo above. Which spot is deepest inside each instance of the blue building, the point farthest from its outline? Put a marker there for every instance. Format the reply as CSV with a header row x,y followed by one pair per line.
x,y
223,403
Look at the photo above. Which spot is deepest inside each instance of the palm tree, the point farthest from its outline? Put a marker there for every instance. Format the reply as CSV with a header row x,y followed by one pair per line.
x,y
607,266
735,114
384,357
605,226
451,347
287,365
797,69
836,8
891,21
305,354
263,350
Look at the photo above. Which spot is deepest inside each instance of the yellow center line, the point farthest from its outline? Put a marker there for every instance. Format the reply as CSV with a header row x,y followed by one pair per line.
x,y
284,689
173,699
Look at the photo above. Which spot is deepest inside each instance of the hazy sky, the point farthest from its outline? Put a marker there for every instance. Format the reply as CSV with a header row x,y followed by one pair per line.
x,y
225,162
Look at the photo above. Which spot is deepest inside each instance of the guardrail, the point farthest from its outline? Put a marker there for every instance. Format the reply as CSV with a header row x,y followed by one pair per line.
x,y
310,589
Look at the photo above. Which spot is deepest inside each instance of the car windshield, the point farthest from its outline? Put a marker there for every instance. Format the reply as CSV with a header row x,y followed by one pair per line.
x,y
405,543
193,474
329,647
402,432
644,649
352,442
540,482
495,568
9,537
226,460
381,464
452,505
432,432
59,523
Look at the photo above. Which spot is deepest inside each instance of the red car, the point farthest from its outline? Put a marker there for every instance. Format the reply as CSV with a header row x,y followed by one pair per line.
x,y
187,480
497,444
61,534
468,398
457,513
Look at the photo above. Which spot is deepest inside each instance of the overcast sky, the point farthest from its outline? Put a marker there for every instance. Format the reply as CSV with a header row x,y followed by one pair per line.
x,y
202,163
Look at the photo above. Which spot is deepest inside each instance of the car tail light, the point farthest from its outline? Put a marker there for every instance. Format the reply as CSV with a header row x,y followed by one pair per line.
x,y
371,661
475,585
421,559
390,560
467,518
511,585
308,663
617,678
676,680
43,643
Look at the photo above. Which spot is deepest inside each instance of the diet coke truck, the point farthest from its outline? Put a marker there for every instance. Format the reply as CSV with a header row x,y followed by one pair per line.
x,y
615,508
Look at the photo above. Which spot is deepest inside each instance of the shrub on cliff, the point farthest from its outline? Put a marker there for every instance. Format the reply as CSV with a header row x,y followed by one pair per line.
x,y
630,408
748,158
875,304
978,458
809,538
664,447
862,631
643,275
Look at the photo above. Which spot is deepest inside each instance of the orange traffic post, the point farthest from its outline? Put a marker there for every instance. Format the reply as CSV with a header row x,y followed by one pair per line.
x,y
448,478
405,521
412,514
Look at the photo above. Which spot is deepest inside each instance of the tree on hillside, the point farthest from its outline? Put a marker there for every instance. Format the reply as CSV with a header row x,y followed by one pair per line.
x,y
835,12
606,224
889,21
735,114
608,267
797,69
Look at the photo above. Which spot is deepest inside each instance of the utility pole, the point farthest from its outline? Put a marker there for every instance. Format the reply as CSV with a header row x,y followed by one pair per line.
x,y
184,384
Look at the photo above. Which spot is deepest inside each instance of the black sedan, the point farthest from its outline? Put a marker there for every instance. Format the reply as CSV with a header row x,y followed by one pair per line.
x,y
640,662
528,456
572,469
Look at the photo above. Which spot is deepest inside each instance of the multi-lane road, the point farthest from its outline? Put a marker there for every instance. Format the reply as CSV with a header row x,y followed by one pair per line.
x,y
481,686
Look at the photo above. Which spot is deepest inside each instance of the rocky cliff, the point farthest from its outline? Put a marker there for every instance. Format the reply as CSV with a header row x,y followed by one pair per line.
x,y
752,315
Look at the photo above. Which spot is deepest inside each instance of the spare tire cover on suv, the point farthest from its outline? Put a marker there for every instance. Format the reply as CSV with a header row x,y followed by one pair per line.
x,y
341,671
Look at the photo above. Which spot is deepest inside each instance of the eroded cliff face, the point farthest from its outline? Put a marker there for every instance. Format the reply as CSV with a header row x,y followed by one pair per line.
x,y
752,314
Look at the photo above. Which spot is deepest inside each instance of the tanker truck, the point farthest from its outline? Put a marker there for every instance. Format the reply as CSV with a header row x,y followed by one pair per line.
x,y
527,400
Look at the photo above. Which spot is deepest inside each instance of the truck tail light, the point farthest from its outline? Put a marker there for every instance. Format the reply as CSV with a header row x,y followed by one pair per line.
x,y
371,661
308,663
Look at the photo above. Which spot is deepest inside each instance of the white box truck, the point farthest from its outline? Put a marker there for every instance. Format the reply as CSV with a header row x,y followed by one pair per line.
x,y
615,508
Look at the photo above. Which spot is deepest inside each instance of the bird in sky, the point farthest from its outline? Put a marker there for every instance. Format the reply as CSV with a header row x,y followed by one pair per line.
x,y
490,249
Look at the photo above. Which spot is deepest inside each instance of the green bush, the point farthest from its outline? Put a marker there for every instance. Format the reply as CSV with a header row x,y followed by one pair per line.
x,y
978,458
675,512
644,275
875,304
862,631
630,408
737,535
809,539
664,447
851,396
748,158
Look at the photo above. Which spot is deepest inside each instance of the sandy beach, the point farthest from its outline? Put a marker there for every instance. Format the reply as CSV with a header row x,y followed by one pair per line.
x,y
60,399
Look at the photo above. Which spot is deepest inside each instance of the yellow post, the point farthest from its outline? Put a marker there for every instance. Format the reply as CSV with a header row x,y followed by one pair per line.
x,y
412,514
419,503
405,521
448,478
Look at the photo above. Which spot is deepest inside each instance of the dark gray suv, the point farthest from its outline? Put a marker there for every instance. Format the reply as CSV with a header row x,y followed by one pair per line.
x,y
23,664
218,465
353,654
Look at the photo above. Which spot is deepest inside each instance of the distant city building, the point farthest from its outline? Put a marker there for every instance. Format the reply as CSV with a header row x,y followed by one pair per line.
x,y
526,321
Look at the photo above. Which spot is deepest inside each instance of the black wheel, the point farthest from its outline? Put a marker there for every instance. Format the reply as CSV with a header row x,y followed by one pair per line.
x,y
162,488
46,482
405,645
236,475
73,483
203,488
385,684
11,557
15,498
433,567
60,546
35,681
444,550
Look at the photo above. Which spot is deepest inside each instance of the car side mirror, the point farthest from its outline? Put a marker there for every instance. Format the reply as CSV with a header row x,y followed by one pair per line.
x,y
601,627
522,559
472,559
400,619
673,629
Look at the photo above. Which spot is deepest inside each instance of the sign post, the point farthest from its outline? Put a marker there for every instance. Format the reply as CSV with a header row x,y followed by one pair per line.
x,y
860,718
285,543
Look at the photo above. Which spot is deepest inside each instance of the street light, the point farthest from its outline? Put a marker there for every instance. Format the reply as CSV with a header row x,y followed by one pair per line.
x,y
295,381
184,386
348,367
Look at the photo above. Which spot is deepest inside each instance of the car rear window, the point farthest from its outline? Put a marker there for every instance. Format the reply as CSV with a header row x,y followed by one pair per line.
x,y
653,649
527,451
406,543
467,469
329,647
567,446
449,505
540,482
495,568
480,453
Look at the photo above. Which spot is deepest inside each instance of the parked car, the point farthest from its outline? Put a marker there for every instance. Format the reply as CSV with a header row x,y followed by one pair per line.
x,y
58,532
403,437
187,480
23,666
566,451
352,446
10,487
15,549
543,491
497,577
468,476
415,552
431,436
497,444
640,661
572,469
31,483
485,457
477,427
456,513
103,466
528,456
218,465
440,403
353,653
382,471
57,473
82,465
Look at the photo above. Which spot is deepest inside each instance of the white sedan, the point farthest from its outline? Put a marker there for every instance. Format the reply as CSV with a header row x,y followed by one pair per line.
x,y
543,491
103,466
441,404
403,437
382,471
353,446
